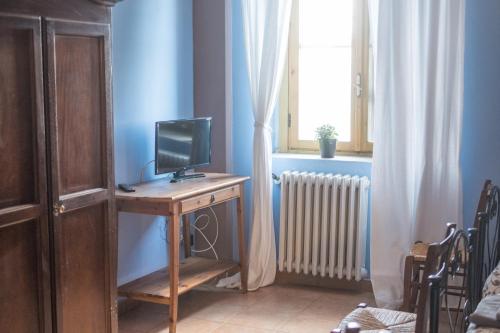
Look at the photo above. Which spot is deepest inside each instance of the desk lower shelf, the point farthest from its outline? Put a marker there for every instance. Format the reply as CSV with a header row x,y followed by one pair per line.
x,y
193,271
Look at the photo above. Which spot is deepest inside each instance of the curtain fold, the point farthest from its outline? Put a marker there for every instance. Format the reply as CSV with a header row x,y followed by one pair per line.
x,y
416,175
266,25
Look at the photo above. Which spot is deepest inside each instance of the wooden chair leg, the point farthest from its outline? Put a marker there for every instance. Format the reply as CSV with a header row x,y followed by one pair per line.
x,y
407,278
415,285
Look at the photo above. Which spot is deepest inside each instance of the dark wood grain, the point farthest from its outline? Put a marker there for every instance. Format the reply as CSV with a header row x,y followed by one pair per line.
x,y
77,36
19,214
24,241
79,131
78,10
82,174
109,3
19,306
16,117
81,270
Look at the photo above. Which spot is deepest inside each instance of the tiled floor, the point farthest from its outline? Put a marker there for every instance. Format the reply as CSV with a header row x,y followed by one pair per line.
x,y
271,309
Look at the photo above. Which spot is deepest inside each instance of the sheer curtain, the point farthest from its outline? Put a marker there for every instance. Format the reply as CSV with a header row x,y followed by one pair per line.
x,y
416,177
266,24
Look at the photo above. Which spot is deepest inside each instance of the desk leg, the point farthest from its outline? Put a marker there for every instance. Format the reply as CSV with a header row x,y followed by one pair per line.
x,y
240,204
173,234
187,235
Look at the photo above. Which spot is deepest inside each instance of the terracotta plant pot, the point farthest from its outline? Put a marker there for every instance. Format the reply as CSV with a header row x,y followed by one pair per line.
x,y
327,148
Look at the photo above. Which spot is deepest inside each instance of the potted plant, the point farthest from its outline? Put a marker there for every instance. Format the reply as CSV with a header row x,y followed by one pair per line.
x,y
327,137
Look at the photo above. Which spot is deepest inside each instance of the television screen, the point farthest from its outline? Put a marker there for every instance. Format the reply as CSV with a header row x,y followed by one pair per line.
x,y
182,144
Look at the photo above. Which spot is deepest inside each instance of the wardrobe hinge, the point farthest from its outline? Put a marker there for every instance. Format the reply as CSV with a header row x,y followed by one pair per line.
x,y
289,120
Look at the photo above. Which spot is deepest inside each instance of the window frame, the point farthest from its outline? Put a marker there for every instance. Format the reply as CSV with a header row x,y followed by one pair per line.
x,y
288,138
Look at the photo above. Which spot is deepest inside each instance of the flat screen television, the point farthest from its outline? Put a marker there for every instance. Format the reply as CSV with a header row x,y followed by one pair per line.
x,y
181,145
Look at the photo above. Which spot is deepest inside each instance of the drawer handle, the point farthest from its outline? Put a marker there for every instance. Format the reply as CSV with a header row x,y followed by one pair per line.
x,y
212,198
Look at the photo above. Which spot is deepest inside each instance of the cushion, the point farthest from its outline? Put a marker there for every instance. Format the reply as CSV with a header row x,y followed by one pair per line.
x,y
474,329
375,319
486,312
492,283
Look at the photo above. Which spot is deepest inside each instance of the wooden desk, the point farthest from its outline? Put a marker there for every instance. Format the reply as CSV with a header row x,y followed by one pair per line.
x,y
174,200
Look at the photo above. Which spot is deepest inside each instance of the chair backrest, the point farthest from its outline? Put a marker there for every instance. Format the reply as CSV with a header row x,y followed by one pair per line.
x,y
488,244
458,261
489,238
436,255
483,201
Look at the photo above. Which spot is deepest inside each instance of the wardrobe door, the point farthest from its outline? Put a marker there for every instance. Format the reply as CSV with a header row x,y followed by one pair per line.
x,y
82,184
24,261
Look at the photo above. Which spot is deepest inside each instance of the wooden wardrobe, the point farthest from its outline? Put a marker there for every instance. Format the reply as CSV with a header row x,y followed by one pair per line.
x,y
57,217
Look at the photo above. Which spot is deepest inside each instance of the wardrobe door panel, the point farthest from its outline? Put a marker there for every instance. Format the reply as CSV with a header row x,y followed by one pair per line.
x,y
81,160
16,117
19,291
24,248
80,246
78,101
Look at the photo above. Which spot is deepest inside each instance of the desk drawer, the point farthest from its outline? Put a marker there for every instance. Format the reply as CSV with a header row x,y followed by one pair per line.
x,y
209,199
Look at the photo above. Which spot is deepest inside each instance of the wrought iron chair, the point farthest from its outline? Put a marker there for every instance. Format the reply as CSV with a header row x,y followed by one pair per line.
x,y
460,258
415,261
488,245
487,249
383,319
413,273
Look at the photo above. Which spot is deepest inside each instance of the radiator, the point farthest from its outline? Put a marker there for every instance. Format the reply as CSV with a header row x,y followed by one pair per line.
x,y
323,220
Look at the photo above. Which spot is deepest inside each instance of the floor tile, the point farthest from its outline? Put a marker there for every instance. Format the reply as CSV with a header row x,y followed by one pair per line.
x,y
138,320
188,325
301,325
320,310
285,309
230,328
217,312
260,318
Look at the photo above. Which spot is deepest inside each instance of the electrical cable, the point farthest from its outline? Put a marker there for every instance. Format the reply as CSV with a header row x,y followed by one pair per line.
x,y
211,245
163,227
142,170
200,230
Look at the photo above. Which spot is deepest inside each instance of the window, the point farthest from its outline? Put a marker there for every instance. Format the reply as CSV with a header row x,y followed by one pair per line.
x,y
328,75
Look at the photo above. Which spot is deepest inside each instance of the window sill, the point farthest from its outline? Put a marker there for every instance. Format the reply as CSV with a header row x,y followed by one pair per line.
x,y
339,158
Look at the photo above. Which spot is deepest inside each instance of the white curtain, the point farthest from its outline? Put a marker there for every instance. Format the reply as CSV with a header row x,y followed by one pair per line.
x,y
417,131
266,24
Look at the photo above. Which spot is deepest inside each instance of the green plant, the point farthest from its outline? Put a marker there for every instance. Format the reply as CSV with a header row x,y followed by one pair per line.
x,y
325,132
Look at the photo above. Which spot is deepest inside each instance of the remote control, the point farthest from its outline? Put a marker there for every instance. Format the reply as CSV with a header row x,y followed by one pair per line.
x,y
126,188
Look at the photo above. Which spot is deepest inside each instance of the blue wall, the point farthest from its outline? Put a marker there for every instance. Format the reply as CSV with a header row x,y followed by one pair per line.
x,y
152,80
242,109
481,119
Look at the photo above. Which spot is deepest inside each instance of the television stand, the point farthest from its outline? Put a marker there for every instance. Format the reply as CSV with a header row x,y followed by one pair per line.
x,y
181,175
177,202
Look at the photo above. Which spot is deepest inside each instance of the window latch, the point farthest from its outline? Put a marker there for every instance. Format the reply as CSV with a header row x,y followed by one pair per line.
x,y
357,85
